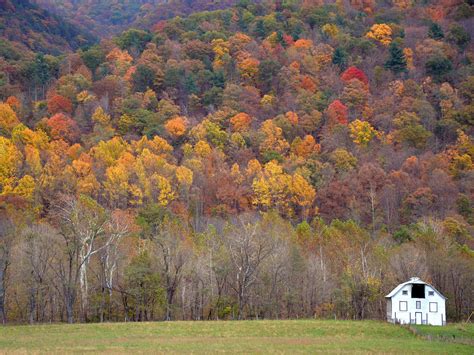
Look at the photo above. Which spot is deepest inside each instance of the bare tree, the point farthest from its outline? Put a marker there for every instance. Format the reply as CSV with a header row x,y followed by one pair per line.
x,y
248,246
173,256
82,224
6,239
39,255
115,229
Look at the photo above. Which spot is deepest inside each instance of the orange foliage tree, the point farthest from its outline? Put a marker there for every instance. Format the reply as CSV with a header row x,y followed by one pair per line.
x,y
14,103
176,127
58,103
241,122
63,127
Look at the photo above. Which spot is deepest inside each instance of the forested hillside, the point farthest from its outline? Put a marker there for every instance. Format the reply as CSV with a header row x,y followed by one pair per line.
x,y
280,160
107,17
28,26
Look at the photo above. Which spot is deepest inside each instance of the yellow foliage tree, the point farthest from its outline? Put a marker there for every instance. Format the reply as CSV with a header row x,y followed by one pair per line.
x,y
10,162
262,197
116,184
25,188
109,152
254,168
362,132
380,32
163,185
8,119
267,101
100,117
184,176
330,30
303,194
221,50
202,149
33,160
273,138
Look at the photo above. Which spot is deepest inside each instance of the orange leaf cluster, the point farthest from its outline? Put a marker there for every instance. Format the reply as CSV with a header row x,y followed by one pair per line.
x,y
292,117
176,127
58,103
241,122
13,102
63,127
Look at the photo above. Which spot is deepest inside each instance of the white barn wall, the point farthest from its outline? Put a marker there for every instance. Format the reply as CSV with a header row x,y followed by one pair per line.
x,y
394,314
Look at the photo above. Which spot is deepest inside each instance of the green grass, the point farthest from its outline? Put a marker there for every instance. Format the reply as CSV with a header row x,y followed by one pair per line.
x,y
459,333
293,336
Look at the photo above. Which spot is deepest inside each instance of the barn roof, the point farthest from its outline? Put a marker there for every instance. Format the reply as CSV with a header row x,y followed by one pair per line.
x,y
413,280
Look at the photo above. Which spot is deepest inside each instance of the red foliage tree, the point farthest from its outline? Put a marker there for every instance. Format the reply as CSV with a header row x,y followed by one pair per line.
x,y
58,103
337,113
63,127
354,73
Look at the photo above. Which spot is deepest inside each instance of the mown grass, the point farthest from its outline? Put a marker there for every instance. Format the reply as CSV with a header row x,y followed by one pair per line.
x,y
458,333
293,336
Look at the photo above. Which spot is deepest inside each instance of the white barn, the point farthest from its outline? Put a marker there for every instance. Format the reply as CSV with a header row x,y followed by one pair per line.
x,y
416,302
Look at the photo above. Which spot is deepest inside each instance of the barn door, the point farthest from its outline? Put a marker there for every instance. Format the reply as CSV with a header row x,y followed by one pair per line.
x,y
418,318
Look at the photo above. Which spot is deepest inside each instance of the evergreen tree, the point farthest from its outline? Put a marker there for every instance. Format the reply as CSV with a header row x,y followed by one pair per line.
x,y
435,31
438,66
397,62
143,78
280,38
340,58
458,35
260,29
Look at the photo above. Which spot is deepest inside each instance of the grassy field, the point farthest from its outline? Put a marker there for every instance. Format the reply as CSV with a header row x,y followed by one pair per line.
x,y
295,336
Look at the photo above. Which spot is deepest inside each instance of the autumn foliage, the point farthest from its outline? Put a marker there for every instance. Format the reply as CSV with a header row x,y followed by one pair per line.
x,y
241,122
58,103
217,163
381,33
337,113
176,127
8,118
354,73
63,127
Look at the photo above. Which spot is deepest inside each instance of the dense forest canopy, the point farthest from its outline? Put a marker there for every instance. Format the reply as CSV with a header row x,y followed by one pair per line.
x,y
113,16
272,159
29,26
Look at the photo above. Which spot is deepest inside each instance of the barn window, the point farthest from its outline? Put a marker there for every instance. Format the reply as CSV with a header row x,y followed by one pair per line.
x,y
405,292
431,293
403,306
418,291
433,307
418,304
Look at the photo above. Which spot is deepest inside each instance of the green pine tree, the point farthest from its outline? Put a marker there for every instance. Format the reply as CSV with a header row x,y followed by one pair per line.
x,y
340,58
397,62
435,31
260,29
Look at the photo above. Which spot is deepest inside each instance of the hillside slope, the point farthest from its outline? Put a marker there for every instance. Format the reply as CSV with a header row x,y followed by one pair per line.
x,y
36,29
109,17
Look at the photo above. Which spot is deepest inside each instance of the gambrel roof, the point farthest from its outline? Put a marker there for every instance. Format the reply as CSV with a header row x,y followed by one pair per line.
x,y
413,280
